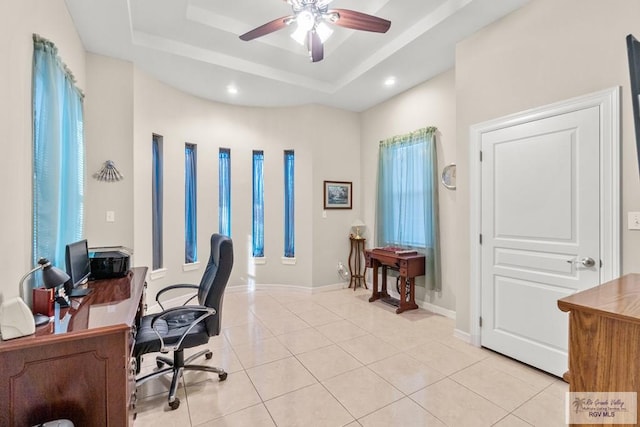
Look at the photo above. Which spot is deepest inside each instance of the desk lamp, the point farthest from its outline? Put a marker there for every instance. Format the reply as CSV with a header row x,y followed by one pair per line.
x,y
14,322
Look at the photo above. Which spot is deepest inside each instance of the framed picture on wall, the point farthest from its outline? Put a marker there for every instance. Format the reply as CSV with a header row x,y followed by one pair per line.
x,y
337,195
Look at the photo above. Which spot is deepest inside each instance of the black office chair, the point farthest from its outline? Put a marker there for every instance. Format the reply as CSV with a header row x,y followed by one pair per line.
x,y
187,326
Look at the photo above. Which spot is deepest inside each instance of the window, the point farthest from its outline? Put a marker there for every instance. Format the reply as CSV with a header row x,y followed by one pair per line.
x,y
190,204
58,155
407,199
289,229
224,191
258,204
156,201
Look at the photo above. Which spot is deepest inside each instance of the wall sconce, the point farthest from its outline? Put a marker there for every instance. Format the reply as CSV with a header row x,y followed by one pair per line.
x,y
108,173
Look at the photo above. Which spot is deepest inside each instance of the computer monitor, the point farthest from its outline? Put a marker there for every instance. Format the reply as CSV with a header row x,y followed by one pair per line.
x,y
78,268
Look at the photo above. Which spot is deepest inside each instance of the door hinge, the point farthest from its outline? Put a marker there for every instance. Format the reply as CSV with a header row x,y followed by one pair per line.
x,y
480,238
480,155
480,322
601,264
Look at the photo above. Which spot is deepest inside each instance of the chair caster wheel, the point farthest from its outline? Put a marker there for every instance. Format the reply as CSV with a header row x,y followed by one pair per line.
x,y
175,404
222,376
208,355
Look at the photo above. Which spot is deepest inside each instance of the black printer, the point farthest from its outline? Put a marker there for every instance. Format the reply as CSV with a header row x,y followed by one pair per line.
x,y
109,262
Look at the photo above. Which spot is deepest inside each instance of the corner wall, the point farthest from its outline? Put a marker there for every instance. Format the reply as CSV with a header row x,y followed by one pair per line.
x,y
109,136
325,141
545,52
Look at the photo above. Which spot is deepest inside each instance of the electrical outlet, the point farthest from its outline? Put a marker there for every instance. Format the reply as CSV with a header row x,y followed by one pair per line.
x,y
634,220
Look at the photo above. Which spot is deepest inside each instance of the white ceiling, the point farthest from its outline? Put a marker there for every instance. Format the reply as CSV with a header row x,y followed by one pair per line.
x,y
193,45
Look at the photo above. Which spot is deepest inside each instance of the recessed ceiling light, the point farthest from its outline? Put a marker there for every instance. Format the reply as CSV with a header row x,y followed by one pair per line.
x,y
390,81
232,90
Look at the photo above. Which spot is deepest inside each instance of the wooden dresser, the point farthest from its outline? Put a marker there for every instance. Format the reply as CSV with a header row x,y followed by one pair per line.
x,y
604,337
85,373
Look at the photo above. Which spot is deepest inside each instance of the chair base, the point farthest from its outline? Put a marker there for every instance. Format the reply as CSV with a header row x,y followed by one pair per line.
x,y
176,367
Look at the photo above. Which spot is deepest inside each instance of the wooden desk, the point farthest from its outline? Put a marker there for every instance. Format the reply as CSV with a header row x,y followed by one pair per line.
x,y
356,273
85,374
604,337
409,266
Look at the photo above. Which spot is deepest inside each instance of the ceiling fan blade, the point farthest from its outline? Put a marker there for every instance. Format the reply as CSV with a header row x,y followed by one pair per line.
x,y
269,27
360,21
316,48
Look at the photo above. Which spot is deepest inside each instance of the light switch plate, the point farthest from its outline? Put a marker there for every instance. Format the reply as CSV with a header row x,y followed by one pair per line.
x,y
634,220
111,216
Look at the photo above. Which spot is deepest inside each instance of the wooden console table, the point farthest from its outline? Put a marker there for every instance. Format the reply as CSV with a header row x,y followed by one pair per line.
x,y
409,266
604,337
356,272
85,373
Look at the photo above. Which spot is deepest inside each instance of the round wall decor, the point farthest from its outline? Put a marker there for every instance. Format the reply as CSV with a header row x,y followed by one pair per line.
x,y
449,176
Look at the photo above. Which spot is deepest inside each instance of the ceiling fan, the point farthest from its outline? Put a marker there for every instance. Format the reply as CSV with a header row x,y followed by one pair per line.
x,y
311,17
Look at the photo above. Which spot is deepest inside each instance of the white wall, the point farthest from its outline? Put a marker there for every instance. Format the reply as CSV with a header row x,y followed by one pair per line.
x,y
431,103
326,145
545,52
109,136
18,21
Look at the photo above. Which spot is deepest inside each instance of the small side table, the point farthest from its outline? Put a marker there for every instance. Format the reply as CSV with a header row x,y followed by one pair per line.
x,y
357,268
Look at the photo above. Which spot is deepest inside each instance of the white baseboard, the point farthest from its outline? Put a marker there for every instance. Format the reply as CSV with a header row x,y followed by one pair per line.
x,y
464,336
429,306
289,288
327,288
316,290
437,309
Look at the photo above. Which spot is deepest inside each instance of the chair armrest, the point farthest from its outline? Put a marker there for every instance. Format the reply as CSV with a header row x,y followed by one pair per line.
x,y
174,287
184,308
206,312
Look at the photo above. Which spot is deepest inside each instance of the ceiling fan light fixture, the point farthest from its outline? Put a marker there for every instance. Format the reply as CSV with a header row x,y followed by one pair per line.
x,y
311,18
306,20
322,3
299,35
324,31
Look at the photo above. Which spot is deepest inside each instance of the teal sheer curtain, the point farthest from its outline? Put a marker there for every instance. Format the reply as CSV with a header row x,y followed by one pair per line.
x,y
407,197
258,204
289,223
190,202
224,191
58,155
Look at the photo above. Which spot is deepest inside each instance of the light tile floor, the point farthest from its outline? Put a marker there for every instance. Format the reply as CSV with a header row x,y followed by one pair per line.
x,y
334,359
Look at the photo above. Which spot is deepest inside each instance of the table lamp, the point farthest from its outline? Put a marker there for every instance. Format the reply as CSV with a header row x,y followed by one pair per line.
x,y
16,319
357,226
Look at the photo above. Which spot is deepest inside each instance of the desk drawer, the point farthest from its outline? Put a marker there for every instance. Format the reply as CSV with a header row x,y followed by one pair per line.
x,y
403,267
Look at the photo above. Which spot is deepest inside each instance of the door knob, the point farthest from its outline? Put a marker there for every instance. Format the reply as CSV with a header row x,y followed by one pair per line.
x,y
586,261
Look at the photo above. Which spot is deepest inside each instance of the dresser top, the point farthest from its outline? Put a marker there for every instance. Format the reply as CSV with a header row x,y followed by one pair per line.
x,y
619,298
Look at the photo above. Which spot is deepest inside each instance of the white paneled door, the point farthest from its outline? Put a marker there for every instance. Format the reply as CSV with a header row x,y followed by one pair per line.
x,y
540,232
